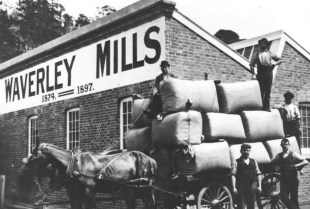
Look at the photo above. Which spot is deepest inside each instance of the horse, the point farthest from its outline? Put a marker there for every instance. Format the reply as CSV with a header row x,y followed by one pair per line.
x,y
85,173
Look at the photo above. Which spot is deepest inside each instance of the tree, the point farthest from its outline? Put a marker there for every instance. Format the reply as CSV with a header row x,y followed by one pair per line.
x,y
40,22
9,41
227,36
104,11
82,20
68,24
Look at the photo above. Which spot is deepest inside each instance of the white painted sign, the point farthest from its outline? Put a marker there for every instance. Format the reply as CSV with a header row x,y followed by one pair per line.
x,y
127,58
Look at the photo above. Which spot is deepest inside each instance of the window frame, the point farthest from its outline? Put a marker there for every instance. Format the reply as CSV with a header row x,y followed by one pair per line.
x,y
30,119
122,135
305,151
68,128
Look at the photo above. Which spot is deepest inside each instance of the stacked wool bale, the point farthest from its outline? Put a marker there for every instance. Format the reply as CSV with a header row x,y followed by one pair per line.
x,y
178,137
138,137
243,99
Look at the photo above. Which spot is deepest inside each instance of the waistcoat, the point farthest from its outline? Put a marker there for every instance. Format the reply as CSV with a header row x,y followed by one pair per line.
x,y
246,173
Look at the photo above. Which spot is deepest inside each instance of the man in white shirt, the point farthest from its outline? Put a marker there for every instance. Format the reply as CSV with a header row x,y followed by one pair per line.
x,y
291,117
265,61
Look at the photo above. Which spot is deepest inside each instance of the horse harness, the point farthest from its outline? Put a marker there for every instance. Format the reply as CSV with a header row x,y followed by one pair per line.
x,y
73,170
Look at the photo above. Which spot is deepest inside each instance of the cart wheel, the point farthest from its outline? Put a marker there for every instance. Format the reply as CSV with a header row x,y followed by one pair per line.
x,y
269,198
215,197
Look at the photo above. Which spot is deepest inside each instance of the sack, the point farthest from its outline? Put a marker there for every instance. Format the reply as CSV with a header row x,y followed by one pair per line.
x,y
139,139
273,147
258,153
175,93
262,125
223,126
177,130
237,97
139,119
210,159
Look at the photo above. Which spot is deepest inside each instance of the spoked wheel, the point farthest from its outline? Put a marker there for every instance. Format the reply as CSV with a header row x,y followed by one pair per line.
x,y
214,197
270,195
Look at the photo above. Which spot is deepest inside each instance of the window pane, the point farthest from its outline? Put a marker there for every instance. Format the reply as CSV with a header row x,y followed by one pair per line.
x,y
247,52
240,51
129,119
129,107
124,107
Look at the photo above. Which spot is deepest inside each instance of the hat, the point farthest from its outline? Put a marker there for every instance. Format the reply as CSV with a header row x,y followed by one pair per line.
x,y
165,63
289,95
245,146
264,40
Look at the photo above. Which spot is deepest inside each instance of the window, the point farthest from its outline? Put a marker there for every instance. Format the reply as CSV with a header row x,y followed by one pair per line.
x,y
125,118
73,129
304,109
32,133
247,52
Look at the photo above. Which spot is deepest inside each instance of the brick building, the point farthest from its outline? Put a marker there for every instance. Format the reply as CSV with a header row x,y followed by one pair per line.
x,y
75,91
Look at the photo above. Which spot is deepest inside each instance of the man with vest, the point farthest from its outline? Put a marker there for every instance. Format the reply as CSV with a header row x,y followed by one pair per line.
x,y
246,179
289,163
265,62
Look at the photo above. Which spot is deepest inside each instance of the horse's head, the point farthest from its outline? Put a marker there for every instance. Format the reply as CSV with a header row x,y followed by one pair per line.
x,y
39,165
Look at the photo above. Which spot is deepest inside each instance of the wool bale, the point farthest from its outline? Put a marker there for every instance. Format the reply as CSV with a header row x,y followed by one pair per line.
x,y
240,96
262,125
138,117
175,94
223,126
139,139
258,152
273,147
209,159
177,129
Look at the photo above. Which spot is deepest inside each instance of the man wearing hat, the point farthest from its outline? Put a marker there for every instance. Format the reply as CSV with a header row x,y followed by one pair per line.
x,y
246,179
291,117
265,62
155,106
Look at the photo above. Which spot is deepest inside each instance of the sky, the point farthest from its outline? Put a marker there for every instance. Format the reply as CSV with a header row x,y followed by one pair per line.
x,y
248,18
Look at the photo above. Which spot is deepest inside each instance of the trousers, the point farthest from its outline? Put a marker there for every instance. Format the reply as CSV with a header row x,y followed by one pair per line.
x,y
291,128
265,78
289,192
247,195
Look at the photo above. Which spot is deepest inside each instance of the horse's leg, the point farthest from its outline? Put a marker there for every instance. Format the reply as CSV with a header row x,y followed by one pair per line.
x,y
74,193
129,196
149,198
90,201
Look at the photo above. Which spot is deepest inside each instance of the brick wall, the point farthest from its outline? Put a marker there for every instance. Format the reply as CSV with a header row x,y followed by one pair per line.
x,y
294,75
191,56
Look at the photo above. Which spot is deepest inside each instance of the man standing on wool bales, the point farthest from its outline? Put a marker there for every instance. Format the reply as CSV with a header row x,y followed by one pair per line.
x,y
155,106
265,61
289,162
246,179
